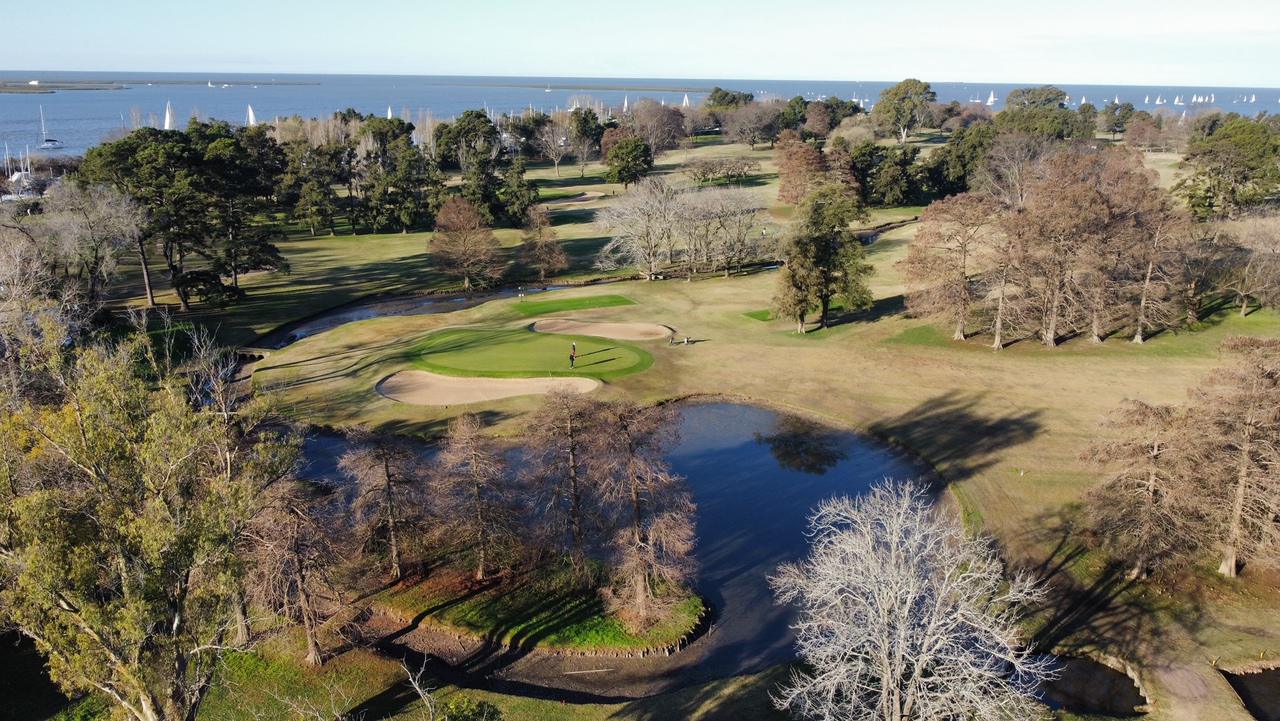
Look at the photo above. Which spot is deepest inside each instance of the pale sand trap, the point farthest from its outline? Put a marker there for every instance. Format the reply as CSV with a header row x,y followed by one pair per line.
x,y
616,331
579,198
421,388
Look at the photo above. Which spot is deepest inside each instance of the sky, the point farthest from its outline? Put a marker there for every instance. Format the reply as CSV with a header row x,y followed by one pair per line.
x,y
1121,42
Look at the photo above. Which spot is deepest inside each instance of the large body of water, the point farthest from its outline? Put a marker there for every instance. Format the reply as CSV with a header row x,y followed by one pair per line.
x,y
83,118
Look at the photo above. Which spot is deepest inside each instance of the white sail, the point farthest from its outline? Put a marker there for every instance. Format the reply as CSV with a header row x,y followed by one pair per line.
x,y
253,119
685,104
1146,100
1116,100
624,103
1253,98
991,99
388,112
168,116
1083,99
1212,97
209,82
43,133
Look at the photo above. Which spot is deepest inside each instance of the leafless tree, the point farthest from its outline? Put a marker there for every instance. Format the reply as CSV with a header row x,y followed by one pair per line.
x,y
1236,451
1154,258
641,223
1252,267
660,126
1010,167
93,225
464,245
565,440
653,548
1147,511
941,258
752,123
293,556
478,497
902,616
541,249
552,140
390,498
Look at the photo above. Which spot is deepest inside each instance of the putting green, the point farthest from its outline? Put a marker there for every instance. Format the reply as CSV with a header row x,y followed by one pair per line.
x,y
521,353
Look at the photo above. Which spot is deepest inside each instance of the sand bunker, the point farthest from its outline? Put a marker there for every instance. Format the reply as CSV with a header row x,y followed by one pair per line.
x,y
430,389
586,197
616,331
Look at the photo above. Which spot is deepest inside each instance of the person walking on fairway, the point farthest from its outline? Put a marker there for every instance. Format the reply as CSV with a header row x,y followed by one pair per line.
x,y
573,356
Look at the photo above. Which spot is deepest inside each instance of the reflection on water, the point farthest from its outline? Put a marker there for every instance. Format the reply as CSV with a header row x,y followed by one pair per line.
x,y
756,475
801,445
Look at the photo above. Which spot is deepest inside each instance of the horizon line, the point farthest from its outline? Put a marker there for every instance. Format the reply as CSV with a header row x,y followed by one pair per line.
x,y
263,74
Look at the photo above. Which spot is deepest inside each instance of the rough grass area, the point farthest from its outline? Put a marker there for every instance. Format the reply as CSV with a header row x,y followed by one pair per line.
x,y
536,609
533,308
521,353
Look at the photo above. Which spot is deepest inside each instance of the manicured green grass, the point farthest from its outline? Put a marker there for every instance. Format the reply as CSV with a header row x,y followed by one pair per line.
x,y
765,314
532,308
543,608
521,353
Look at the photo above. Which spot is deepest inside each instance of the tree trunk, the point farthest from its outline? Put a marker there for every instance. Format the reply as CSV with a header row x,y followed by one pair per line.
x,y
998,328
1244,305
1142,303
481,536
239,607
959,331
146,273
1230,553
1049,334
392,538
309,625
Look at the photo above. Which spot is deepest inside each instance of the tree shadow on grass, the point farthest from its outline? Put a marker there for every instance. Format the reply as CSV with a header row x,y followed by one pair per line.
x,y
956,436
1098,607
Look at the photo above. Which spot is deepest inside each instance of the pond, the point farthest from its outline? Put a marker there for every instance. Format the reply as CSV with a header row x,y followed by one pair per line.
x,y
756,475
1085,686
1260,692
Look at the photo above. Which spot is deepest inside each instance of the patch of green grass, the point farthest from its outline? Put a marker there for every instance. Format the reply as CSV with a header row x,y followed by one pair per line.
x,y
521,353
764,315
544,608
529,309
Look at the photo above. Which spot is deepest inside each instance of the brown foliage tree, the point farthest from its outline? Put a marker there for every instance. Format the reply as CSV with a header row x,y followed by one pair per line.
x,y
541,249
465,247
476,495
801,168
652,551
390,493
940,259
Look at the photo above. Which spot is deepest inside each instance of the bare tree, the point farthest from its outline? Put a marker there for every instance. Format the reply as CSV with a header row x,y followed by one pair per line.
x,y
904,617
464,246
293,556
941,258
552,140
1147,511
752,123
653,549
1252,268
564,440
660,126
1010,167
390,493
471,474
541,249
1154,258
641,223
1236,451
94,224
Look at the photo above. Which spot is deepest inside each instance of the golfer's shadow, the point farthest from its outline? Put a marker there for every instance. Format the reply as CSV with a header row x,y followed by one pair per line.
x,y
602,350
596,363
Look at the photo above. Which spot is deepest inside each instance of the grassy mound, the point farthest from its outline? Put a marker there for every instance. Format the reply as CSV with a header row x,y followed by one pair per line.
x,y
529,309
521,353
543,608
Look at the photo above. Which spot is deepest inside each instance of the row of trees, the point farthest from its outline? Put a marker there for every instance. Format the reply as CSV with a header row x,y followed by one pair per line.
x,y
655,227
1072,239
1197,479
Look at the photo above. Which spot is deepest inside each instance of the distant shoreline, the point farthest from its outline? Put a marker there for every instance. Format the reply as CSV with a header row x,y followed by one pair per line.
x,y
16,86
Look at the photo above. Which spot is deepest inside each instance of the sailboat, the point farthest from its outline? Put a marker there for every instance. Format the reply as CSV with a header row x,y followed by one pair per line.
x,y
1253,97
548,88
624,104
1084,100
1177,100
168,116
253,119
1146,100
388,112
685,104
1212,97
991,99
1159,100
1116,100
210,83
47,143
